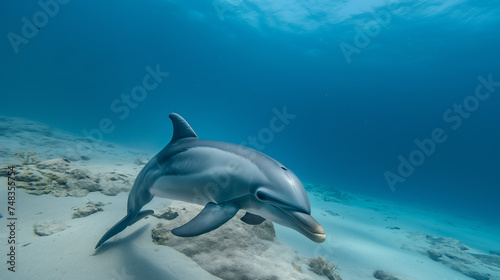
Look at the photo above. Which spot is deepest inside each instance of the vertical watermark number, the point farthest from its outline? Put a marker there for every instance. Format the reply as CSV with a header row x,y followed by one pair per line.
x,y
11,219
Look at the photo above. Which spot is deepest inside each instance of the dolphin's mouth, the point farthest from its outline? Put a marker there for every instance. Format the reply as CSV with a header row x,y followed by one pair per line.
x,y
311,228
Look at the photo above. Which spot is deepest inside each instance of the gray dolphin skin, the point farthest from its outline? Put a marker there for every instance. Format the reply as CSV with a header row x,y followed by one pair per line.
x,y
225,178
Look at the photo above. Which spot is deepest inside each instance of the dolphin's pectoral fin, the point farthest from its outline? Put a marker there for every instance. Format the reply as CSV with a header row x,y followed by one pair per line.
x,y
252,219
123,224
211,217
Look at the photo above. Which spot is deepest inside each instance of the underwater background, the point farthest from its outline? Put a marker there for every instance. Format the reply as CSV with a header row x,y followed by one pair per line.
x,y
346,94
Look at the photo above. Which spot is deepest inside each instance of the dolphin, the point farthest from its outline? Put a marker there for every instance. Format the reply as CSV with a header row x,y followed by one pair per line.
x,y
225,178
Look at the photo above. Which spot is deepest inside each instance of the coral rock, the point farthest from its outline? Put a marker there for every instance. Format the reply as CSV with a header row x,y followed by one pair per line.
x,y
45,228
87,210
384,275
169,214
160,234
59,164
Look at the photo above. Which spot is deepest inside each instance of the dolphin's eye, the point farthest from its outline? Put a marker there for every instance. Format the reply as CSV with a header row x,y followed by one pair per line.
x,y
261,196
284,168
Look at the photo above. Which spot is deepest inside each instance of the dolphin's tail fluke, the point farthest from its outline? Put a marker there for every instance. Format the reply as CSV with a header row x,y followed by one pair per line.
x,y
123,224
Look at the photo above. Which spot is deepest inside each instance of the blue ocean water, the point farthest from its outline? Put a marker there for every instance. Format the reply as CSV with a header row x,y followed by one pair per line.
x,y
395,99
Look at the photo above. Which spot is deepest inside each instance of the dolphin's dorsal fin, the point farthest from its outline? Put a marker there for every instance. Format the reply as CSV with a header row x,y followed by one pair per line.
x,y
181,128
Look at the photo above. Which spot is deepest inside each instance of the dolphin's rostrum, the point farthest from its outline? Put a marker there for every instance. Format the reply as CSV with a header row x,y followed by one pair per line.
x,y
225,178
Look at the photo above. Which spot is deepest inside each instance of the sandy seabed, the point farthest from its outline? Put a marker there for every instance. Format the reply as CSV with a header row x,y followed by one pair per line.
x,y
68,196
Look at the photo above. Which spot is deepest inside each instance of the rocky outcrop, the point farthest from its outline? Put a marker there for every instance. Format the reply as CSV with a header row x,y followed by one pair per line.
x,y
453,253
87,210
45,228
226,252
58,177
385,275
